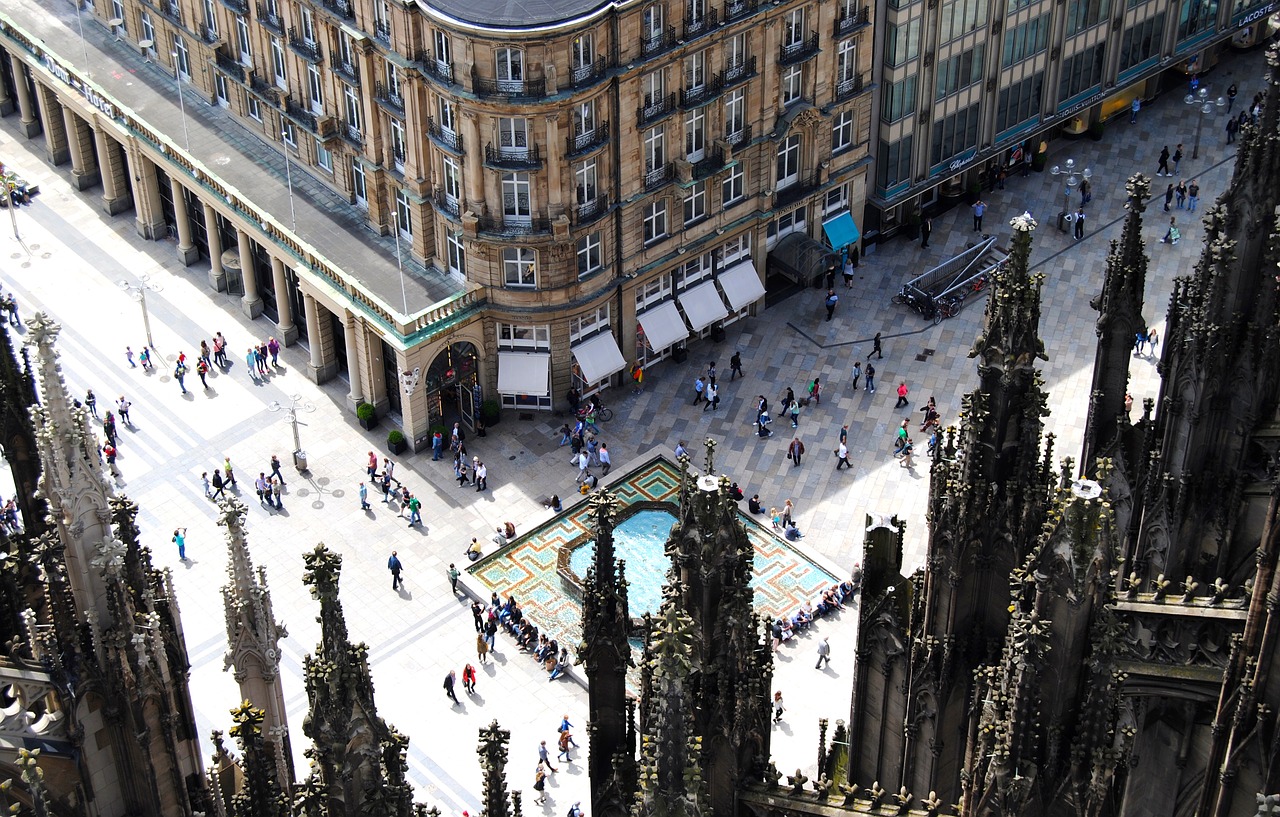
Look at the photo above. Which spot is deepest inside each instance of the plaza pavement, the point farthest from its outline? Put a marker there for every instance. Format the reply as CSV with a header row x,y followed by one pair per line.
x,y
71,256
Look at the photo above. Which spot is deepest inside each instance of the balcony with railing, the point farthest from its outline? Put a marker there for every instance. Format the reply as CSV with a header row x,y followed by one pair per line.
x,y
740,71
702,94
656,109
351,132
796,190
849,23
737,9
208,35
238,6
300,114
509,89
349,71
658,176
709,164
389,97
792,53
527,157
171,10
344,9
852,86
307,49
591,211
447,139
696,26
738,138
446,204
228,65
439,70
270,19
496,225
657,42
382,31
264,88
586,141
580,76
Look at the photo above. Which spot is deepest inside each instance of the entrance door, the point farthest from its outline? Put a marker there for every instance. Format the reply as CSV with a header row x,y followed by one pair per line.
x,y
467,408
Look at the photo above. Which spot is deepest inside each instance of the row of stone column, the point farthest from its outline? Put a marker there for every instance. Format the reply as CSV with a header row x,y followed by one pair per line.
x,y
106,161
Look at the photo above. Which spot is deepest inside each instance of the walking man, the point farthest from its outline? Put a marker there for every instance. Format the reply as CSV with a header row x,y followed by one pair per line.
x,y
124,405
832,300
275,469
179,373
415,511
393,564
1079,223
979,208
449,681
824,653
1193,195
735,366
544,756
842,456
795,451
1177,158
606,461
1134,107
202,369
92,403
871,378
875,348
926,227
857,373
902,394
698,386
230,478
364,497
453,578
1162,168
180,539
218,485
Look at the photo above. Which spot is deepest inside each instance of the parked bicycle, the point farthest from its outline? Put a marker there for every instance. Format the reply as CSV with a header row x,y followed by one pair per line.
x,y
919,302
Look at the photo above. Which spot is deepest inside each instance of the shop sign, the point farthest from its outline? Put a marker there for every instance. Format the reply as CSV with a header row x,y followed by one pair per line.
x,y
1256,15
91,96
1086,103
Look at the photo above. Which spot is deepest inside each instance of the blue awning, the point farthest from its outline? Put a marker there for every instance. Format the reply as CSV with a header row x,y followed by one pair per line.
x,y
840,230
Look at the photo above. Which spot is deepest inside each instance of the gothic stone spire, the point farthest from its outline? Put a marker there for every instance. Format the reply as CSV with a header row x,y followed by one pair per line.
x,y
493,765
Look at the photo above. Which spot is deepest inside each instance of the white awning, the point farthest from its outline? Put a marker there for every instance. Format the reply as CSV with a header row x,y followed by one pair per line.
x,y
663,325
599,357
741,285
702,305
524,373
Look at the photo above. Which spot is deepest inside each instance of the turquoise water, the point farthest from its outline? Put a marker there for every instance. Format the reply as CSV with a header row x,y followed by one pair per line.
x,y
639,539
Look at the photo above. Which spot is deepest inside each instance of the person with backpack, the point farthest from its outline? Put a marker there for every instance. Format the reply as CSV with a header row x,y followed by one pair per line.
x,y
202,369
179,373
815,390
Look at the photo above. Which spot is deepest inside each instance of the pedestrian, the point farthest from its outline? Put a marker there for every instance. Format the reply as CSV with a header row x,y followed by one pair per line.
x,y
204,480
831,275
1086,192
1231,96
815,390
576,810
842,456
926,227
907,454
712,401
847,270
415,511
1152,340
1162,166
900,441
109,451
1233,126
202,369
1128,403
875,348
453,578
902,394
180,539
1079,232
393,564
128,354
109,428
1181,191
1193,195
1134,107
795,451
218,485
698,386
260,485
1177,158
979,208
251,364
275,469
857,373
1140,342
437,445
482,646
1168,198
449,681
260,356
372,466
273,348
1173,234
92,403
824,653
540,785
563,746
144,358
778,708
364,497
735,366
274,485
606,461
179,374
469,679
204,352
230,476
123,406
844,433
544,757
830,303
583,461
795,414
220,350
871,378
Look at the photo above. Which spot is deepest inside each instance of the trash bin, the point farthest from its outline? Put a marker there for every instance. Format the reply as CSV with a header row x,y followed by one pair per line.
x,y
300,460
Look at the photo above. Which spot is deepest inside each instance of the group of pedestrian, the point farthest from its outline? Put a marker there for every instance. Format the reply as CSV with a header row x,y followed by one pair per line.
x,y
224,477
255,358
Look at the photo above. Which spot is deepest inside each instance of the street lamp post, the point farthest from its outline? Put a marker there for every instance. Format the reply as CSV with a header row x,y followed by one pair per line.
x,y
1074,179
404,295
1204,104
9,186
182,105
288,174
139,293
84,48
291,411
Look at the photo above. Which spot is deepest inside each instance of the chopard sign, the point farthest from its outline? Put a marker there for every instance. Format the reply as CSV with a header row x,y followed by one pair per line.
x,y
91,96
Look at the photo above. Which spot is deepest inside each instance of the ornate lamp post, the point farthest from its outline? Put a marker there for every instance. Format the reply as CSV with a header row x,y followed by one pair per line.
x,y
139,293
291,411
1204,104
1074,178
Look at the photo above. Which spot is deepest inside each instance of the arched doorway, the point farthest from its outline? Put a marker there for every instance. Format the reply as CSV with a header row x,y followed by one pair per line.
x,y
453,386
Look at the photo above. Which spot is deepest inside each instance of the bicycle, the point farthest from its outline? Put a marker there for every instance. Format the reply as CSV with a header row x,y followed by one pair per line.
x,y
919,302
603,413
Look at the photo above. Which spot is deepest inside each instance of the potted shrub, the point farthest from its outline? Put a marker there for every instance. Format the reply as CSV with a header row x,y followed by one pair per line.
x,y
1040,158
367,415
396,441
491,412
1096,129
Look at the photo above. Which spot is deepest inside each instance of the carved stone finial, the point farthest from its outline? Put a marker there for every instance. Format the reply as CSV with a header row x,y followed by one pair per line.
x,y
797,781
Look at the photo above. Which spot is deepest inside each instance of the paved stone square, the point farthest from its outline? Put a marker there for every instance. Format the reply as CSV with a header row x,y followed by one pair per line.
x,y
70,257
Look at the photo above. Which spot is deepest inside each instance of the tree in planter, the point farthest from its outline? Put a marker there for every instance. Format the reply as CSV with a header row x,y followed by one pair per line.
x,y
367,415
396,441
491,412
